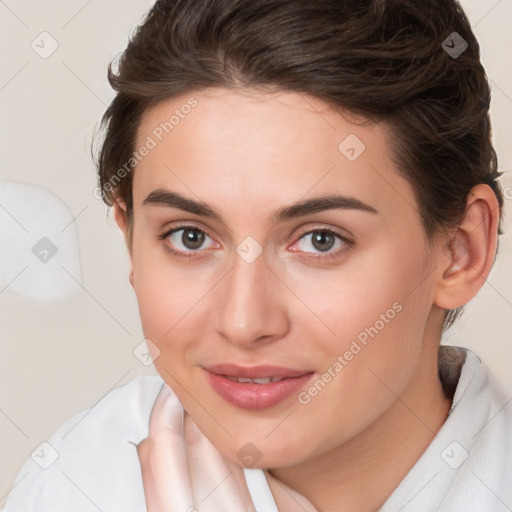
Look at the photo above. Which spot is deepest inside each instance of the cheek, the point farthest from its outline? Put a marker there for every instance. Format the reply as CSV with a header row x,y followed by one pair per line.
x,y
378,324
170,299
373,330
364,293
358,380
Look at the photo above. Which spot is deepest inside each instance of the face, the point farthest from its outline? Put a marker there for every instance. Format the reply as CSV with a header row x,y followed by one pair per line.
x,y
274,238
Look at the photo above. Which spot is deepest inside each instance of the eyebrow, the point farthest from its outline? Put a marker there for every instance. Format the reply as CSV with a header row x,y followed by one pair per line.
x,y
163,197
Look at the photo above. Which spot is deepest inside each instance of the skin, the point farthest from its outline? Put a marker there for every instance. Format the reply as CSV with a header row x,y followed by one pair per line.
x,y
247,154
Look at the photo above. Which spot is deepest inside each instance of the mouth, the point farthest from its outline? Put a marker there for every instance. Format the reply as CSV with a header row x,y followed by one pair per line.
x,y
247,380
257,387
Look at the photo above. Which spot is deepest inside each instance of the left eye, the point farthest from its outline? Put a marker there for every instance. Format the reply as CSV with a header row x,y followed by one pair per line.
x,y
188,239
323,241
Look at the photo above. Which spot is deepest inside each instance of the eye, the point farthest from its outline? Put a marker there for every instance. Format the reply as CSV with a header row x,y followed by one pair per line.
x,y
186,240
322,241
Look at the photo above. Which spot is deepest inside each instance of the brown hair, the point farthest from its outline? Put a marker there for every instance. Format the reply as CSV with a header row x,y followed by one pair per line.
x,y
387,60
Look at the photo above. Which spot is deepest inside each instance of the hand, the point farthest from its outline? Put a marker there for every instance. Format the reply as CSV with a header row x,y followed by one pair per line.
x,y
181,469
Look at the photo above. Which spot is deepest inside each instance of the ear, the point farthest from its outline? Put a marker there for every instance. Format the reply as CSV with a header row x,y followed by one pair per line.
x,y
124,225
471,250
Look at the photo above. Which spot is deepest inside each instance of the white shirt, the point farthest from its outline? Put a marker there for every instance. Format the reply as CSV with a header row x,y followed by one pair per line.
x,y
91,461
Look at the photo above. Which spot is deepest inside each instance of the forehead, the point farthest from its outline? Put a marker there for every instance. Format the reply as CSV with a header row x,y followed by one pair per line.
x,y
222,117
235,147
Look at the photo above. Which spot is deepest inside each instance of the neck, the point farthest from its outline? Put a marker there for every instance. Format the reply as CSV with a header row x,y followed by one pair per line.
x,y
361,474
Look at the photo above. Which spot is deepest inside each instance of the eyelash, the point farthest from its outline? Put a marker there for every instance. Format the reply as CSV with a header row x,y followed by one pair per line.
x,y
163,237
348,244
329,256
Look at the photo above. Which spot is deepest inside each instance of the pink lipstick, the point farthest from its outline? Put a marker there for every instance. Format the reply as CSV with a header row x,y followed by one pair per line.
x,y
256,387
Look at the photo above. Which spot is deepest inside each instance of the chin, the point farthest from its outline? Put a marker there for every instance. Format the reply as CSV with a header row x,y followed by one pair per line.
x,y
262,456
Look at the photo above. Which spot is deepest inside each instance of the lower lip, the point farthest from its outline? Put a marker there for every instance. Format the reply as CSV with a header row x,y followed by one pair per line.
x,y
256,396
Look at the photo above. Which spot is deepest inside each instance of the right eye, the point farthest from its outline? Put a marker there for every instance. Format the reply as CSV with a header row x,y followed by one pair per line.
x,y
185,241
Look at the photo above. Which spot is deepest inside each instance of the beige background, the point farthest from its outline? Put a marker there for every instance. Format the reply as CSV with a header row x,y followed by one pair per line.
x,y
59,359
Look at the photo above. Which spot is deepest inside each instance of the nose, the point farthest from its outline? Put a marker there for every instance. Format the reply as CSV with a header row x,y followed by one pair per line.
x,y
251,305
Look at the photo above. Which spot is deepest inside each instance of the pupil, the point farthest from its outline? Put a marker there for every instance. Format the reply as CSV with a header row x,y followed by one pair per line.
x,y
192,239
323,241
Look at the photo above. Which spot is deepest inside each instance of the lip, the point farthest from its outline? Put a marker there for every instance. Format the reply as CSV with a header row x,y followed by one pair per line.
x,y
255,396
255,372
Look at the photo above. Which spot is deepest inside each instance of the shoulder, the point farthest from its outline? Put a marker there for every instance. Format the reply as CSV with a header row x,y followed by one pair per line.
x,y
90,462
478,439
468,465
489,467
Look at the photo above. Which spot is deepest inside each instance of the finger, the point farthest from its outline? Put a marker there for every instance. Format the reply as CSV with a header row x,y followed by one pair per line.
x,y
167,413
218,485
163,458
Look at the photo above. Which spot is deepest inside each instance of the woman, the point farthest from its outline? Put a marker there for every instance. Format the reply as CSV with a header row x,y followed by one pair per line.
x,y
308,193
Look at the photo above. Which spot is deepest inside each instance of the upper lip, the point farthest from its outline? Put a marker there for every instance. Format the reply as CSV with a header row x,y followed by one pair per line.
x,y
255,372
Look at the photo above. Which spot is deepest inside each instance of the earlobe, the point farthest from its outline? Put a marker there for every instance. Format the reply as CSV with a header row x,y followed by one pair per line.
x,y
472,249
